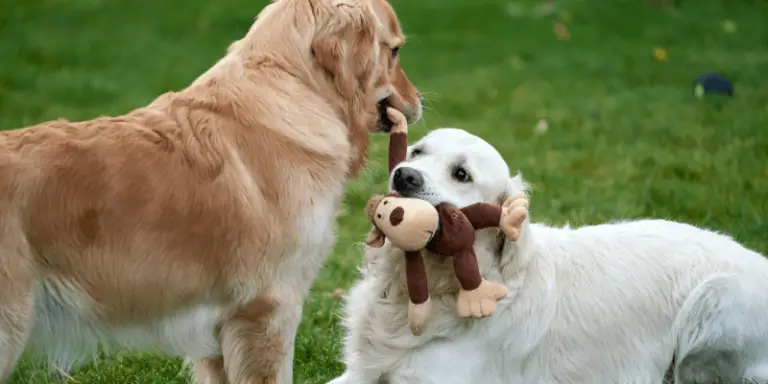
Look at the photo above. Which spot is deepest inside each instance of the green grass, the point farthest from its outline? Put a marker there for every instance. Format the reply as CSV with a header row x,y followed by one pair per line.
x,y
626,138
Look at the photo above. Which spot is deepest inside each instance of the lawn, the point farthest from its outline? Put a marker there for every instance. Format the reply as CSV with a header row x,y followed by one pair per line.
x,y
624,136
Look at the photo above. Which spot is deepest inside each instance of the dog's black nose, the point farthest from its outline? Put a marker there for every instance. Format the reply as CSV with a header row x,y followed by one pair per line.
x,y
407,181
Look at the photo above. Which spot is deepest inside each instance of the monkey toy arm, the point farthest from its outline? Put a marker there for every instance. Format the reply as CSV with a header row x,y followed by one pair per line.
x,y
483,215
398,138
509,216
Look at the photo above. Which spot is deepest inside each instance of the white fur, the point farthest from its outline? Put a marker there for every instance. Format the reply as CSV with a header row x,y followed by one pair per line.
x,y
69,333
444,149
610,303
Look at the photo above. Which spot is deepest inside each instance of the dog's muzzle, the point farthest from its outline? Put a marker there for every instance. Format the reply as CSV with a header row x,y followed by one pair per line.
x,y
385,124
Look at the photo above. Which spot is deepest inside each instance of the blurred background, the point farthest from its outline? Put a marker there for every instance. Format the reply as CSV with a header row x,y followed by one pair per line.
x,y
593,100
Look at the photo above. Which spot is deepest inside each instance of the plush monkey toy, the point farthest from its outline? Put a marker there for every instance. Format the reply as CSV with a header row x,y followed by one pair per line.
x,y
413,224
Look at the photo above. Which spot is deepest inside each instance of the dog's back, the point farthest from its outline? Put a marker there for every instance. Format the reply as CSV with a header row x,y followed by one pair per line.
x,y
625,297
90,209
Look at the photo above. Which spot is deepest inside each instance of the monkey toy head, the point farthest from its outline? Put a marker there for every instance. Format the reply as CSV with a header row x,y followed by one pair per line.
x,y
408,223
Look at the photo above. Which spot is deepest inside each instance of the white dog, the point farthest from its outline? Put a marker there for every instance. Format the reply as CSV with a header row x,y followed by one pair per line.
x,y
627,302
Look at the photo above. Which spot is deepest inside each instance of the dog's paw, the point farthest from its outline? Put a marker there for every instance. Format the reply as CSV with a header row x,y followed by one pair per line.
x,y
481,301
399,122
513,214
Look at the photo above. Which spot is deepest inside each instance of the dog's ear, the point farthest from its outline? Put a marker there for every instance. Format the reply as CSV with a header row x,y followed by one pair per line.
x,y
515,186
345,44
375,238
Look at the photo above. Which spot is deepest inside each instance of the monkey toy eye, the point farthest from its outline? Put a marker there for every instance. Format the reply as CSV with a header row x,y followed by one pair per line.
x,y
378,215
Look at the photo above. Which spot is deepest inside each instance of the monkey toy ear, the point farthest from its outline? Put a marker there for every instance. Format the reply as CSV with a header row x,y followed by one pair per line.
x,y
375,238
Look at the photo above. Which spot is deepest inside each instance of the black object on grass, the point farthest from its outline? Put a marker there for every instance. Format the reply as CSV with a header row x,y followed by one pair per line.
x,y
712,83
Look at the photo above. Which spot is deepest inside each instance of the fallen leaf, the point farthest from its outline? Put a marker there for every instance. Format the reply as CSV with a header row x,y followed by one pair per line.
x,y
660,54
561,31
337,293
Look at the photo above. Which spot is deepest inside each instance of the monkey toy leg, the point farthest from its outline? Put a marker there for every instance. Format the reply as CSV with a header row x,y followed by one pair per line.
x,y
418,292
477,297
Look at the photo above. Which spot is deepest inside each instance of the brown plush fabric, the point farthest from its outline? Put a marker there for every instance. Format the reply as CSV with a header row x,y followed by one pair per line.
x,y
396,217
398,149
483,215
466,269
456,237
455,233
416,277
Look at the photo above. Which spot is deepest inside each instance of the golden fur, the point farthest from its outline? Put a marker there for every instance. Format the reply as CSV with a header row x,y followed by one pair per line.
x,y
210,210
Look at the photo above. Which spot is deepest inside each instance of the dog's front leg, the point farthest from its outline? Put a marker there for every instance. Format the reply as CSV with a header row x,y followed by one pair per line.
x,y
209,370
257,342
17,293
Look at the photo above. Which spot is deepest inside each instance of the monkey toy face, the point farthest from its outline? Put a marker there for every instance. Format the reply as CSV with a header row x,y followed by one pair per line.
x,y
409,223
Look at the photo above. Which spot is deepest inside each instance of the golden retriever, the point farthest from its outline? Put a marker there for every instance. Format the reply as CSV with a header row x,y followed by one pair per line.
x,y
196,225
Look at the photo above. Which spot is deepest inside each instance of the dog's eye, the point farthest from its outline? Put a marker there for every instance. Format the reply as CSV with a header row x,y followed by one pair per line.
x,y
379,216
461,175
416,152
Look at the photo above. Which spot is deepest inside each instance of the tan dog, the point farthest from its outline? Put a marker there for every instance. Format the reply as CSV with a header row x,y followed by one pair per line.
x,y
196,224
